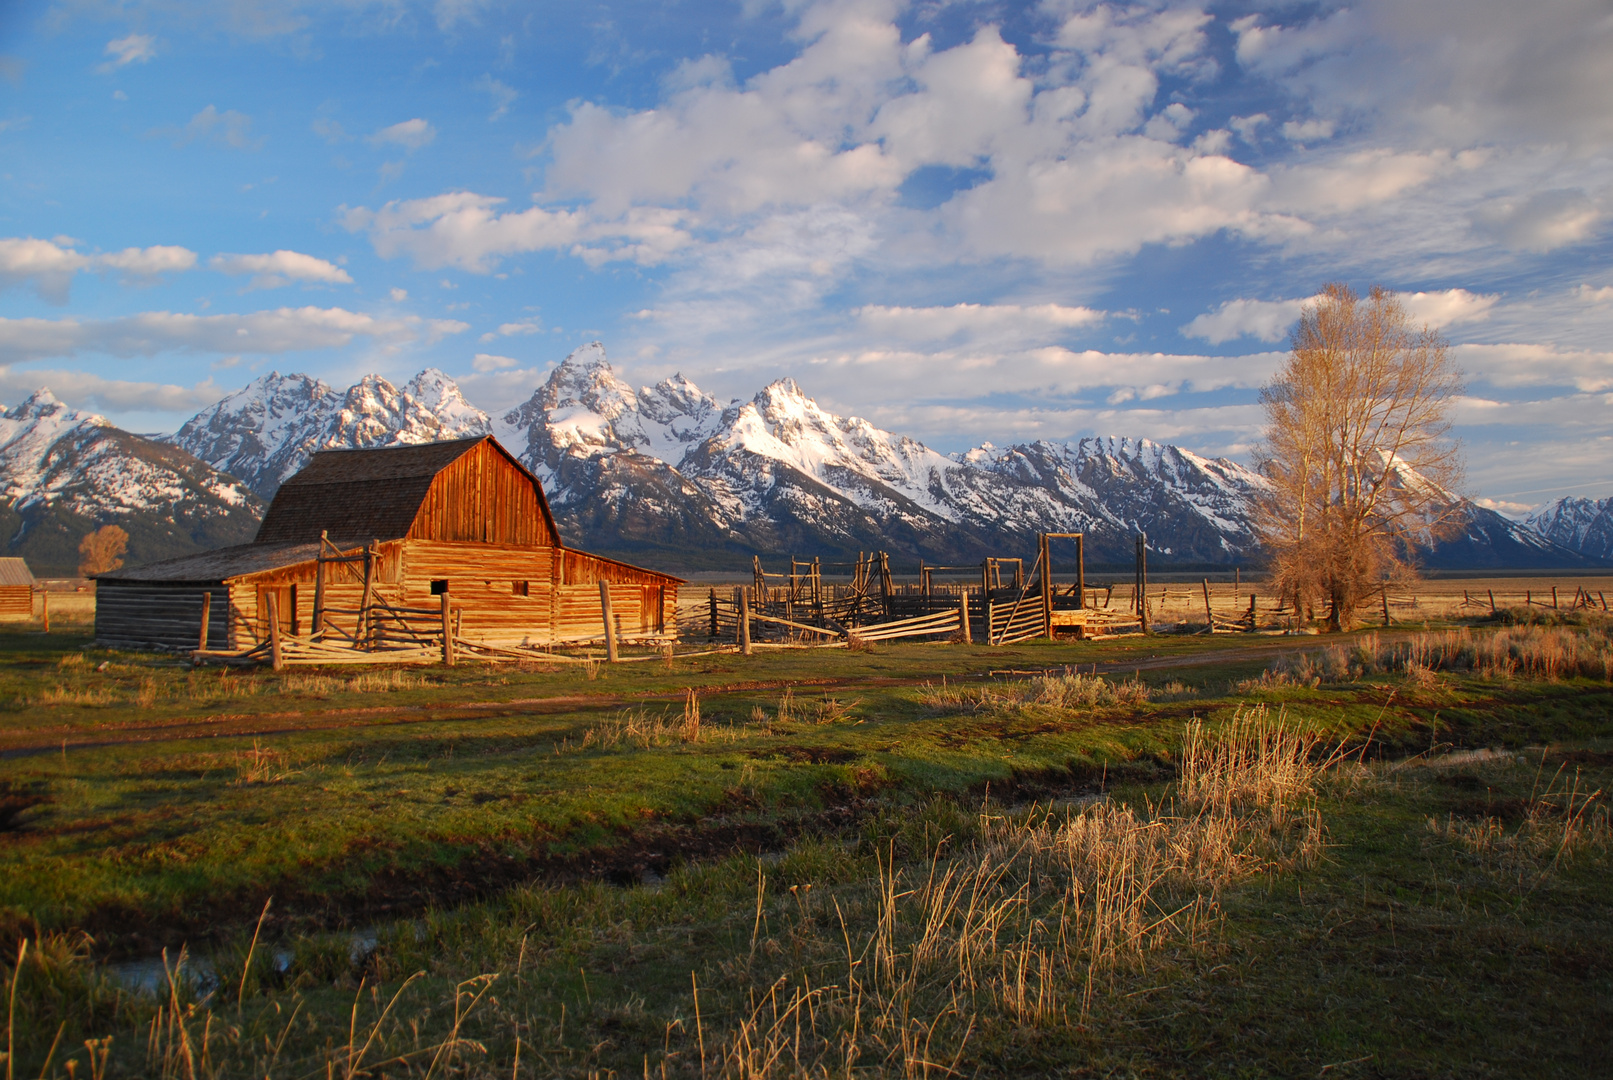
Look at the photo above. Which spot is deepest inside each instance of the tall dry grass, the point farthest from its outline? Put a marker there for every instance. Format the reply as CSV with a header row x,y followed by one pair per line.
x,y
1535,652
1560,822
1060,693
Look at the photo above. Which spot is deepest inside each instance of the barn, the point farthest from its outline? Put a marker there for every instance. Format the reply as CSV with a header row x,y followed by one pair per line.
x,y
16,590
362,544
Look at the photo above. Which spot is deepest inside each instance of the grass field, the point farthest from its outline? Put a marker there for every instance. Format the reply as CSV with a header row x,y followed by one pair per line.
x,y
1172,856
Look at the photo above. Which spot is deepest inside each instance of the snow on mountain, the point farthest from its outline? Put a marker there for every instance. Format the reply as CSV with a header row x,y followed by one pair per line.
x,y
1582,525
64,473
267,430
669,469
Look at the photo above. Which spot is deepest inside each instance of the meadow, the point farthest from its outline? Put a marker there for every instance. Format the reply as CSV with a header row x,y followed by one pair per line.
x,y
1382,855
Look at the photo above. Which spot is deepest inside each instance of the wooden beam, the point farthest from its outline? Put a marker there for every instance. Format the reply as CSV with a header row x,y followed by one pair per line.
x,y
610,623
447,633
963,615
1209,615
744,622
1044,556
207,611
276,657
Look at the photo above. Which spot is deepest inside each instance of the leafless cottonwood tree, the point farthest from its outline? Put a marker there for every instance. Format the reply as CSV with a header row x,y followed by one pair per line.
x,y
1357,450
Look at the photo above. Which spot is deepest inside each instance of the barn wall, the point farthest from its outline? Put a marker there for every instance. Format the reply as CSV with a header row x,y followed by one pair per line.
x,y
483,498
16,602
160,614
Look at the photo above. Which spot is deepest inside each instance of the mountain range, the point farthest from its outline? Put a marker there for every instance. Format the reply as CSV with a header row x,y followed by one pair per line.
x,y
670,476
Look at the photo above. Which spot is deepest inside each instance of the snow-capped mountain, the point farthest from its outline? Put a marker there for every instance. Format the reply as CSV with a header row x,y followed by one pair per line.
x,y
1582,525
267,430
65,473
669,465
672,474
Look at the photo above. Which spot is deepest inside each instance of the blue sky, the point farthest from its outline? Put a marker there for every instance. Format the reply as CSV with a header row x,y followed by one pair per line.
x,y
966,222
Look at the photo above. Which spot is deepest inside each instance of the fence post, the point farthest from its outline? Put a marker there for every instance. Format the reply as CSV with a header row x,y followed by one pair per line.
x,y
447,633
744,622
713,601
1209,615
44,603
963,614
1142,580
610,623
1043,555
1492,600
1385,594
207,610
275,658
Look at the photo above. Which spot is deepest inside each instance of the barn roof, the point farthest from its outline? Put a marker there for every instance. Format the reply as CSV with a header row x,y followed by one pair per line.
x,y
368,494
211,567
15,572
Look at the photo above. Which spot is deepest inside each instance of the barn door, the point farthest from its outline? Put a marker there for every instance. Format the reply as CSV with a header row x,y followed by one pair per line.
x,y
285,598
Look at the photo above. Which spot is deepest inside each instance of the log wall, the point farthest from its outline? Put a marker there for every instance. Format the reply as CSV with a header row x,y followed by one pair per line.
x,y
507,595
161,614
16,602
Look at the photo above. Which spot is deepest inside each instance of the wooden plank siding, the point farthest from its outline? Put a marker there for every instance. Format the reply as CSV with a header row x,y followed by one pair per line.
x,y
16,602
484,497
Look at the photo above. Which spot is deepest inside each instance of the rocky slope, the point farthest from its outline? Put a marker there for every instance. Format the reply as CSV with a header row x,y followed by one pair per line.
x,y
65,473
267,430
1581,525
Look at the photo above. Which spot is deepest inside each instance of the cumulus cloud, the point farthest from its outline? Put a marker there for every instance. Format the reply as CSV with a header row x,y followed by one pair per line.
x,y
261,332
134,49
488,362
49,265
465,230
280,268
409,134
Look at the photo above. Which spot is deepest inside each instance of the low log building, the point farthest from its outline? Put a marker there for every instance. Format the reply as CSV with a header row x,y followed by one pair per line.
x,y
16,589
359,534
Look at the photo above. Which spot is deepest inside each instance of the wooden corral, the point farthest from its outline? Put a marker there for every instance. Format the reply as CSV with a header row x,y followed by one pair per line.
x,y
16,589
364,549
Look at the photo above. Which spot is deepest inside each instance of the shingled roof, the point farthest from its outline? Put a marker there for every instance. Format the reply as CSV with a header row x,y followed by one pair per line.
x,y
15,572
363,495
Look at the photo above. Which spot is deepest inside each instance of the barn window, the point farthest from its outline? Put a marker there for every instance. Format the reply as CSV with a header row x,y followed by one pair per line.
x,y
439,586
521,588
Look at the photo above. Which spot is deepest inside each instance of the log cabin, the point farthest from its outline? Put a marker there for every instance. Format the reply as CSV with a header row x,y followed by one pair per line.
x,y
16,589
392,529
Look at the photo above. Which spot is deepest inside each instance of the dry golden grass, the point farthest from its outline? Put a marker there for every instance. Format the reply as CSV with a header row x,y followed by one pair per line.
x,y
1057,693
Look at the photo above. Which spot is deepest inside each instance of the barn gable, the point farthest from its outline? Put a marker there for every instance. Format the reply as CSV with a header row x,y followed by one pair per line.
x,y
470,490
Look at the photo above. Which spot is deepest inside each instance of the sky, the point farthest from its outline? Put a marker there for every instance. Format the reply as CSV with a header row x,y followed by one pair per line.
x,y
965,222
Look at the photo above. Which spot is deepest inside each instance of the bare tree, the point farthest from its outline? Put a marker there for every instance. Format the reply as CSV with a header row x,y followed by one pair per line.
x,y
102,550
1357,450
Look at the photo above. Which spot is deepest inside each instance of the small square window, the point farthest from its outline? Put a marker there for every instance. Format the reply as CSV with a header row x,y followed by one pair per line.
x,y
521,588
439,586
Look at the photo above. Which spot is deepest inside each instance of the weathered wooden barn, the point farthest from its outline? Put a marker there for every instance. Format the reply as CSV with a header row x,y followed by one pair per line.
x,y
363,543
16,590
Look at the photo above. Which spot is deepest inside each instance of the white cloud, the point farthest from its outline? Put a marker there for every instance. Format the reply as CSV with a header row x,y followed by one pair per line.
x,y
488,362
409,134
512,329
1306,131
986,323
84,390
49,265
229,128
398,295
502,94
461,229
1542,222
261,332
1270,320
281,268
1447,307
1265,320
134,49
1514,364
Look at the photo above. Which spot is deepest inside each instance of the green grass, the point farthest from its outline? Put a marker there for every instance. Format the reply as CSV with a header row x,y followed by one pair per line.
x,y
485,820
